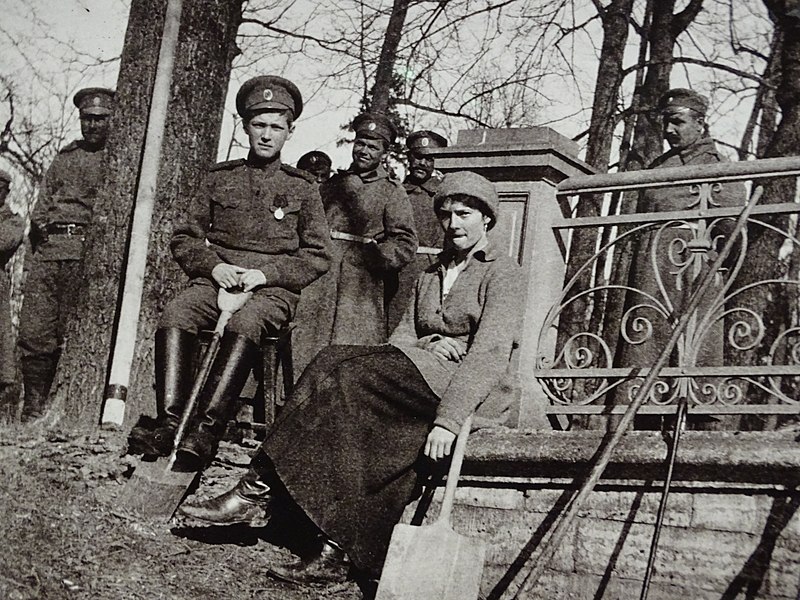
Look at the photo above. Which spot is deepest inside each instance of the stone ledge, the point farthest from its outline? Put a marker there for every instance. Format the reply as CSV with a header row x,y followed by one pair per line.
x,y
738,457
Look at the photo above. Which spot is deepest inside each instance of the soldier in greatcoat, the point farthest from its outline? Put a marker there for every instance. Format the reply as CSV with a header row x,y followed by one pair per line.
x,y
372,230
421,184
677,249
12,228
59,224
255,224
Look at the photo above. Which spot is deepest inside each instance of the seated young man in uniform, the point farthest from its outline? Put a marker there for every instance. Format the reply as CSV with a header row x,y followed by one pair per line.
x,y
255,225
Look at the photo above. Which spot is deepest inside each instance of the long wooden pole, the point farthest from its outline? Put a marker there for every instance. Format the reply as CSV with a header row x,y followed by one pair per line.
x,y
680,421
127,328
561,529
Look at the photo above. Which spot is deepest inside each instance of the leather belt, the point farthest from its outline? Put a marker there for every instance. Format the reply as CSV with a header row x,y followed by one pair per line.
x,y
66,229
428,250
351,237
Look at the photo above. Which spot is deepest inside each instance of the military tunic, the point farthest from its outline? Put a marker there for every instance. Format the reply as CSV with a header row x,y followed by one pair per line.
x,y
677,285
11,231
346,305
58,230
431,238
255,215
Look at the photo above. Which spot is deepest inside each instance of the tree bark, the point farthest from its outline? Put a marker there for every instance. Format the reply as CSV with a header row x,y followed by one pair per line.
x,y
616,19
663,26
384,76
763,260
206,47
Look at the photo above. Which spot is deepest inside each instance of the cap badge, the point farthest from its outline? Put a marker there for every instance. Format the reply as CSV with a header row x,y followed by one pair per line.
x,y
371,126
424,142
267,94
96,101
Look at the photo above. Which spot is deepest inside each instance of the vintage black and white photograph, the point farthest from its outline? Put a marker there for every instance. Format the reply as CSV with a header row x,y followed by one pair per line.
x,y
400,300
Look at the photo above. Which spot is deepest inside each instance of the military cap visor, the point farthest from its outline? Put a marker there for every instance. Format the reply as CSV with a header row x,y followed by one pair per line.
x,y
94,101
374,126
680,99
268,92
421,141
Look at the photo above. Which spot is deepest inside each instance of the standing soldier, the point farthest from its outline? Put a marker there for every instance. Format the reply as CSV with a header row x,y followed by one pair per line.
x,y
59,224
668,258
372,228
257,225
317,163
421,184
12,228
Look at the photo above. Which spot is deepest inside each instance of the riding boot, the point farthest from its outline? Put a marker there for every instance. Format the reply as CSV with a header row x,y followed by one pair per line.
x,y
37,377
235,359
247,502
174,349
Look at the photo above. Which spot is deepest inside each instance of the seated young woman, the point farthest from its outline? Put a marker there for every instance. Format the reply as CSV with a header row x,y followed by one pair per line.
x,y
346,446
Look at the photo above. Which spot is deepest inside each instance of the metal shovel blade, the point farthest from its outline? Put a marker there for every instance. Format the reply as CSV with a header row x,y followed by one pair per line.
x,y
431,561
155,490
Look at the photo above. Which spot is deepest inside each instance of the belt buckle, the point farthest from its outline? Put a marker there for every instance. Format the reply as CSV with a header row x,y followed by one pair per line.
x,y
71,228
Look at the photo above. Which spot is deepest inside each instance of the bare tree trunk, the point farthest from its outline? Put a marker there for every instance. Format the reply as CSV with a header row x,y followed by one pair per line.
x,y
384,76
764,107
206,47
616,22
763,256
663,26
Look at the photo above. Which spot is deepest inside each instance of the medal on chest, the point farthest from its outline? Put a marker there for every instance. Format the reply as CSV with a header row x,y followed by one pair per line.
x,y
278,204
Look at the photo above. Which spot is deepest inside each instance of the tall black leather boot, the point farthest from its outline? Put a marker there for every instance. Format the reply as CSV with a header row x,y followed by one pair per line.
x,y
37,377
174,349
234,361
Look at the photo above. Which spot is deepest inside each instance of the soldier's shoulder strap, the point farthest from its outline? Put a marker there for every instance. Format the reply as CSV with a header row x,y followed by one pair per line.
x,y
71,147
228,164
295,172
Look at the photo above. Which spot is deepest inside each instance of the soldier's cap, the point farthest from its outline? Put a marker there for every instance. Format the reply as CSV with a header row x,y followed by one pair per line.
x,y
5,176
423,140
679,99
468,183
314,160
374,126
268,92
94,101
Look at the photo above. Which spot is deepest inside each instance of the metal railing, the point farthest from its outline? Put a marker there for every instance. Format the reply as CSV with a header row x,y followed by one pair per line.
x,y
598,371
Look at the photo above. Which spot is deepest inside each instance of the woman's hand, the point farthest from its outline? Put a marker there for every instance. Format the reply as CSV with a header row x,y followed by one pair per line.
x,y
251,279
227,276
439,443
448,348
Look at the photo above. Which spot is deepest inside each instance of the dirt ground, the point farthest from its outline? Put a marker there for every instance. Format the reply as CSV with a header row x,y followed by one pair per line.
x,y
64,537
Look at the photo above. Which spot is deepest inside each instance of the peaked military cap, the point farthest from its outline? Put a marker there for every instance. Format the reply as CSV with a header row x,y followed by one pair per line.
x,y
94,101
314,160
268,92
468,183
5,176
374,126
420,141
679,99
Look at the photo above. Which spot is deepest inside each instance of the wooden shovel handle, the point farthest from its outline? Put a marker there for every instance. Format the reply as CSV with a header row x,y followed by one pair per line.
x,y
454,472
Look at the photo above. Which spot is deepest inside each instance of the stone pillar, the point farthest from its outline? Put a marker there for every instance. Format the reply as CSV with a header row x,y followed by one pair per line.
x,y
526,165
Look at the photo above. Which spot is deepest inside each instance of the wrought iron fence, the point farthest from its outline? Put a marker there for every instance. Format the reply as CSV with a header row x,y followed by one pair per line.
x,y
721,361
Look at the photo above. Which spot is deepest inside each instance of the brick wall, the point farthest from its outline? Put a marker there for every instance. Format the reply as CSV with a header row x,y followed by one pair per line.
x,y
731,530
